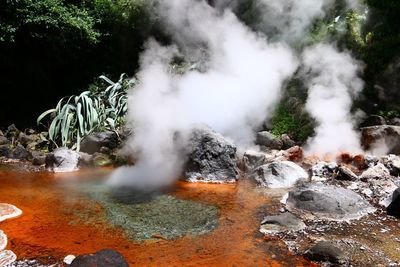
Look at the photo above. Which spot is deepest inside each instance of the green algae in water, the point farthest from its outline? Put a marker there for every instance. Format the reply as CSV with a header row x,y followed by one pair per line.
x,y
160,216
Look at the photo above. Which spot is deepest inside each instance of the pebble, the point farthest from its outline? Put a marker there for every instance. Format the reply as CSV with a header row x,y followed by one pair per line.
x,y
69,259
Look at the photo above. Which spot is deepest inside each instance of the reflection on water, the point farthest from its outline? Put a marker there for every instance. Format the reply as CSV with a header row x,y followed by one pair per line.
x,y
59,219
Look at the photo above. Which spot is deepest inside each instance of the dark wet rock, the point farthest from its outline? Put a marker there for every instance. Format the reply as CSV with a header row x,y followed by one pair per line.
x,y
24,139
102,258
378,171
392,163
323,170
102,160
211,158
63,160
85,160
384,136
373,120
5,151
345,174
394,208
4,140
38,158
94,142
253,159
268,140
279,174
326,251
281,223
287,142
327,202
21,153
12,129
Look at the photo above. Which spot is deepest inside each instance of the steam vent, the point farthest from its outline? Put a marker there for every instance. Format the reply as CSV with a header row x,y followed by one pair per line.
x,y
199,133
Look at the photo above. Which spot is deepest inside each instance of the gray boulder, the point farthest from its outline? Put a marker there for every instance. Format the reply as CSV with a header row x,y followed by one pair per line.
x,y
323,170
5,151
386,137
279,174
211,158
253,159
327,202
63,160
326,251
4,140
392,163
281,223
378,171
38,158
21,153
267,139
94,142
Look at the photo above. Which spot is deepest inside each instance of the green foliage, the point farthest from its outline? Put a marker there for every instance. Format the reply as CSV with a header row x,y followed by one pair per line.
x,y
290,119
389,114
98,109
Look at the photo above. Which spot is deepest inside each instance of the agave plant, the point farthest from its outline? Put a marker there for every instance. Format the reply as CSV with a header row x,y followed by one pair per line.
x,y
77,116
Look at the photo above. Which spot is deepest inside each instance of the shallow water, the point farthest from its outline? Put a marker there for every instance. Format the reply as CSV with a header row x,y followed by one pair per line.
x,y
59,219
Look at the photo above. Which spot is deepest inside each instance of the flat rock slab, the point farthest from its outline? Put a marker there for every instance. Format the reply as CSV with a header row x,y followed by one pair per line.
x,y
281,223
8,211
3,240
317,201
7,257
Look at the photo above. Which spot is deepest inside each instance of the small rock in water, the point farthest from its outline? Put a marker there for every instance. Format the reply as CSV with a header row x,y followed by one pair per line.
x,y
7,257
281,223
69,259
327,252
102,258
279,174
8,211
3,240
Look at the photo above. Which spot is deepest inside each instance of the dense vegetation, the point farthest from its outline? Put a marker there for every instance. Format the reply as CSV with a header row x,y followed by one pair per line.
x,y
53,48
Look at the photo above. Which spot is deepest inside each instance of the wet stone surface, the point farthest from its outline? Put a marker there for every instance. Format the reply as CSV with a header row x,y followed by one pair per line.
x,y
155,216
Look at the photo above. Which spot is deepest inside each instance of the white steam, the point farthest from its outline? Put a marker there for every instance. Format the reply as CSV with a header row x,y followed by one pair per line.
x,y
332,78
242,82
238,86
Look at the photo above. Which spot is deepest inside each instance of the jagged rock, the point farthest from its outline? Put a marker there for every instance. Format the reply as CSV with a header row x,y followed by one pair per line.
x,y
8,211
345,174
371,160
379,171
384,138
211,158
21,153
253,159
392,163
102,258
5,151
63,160
373,120
4,140
38,158
281,223
3,240
267,139
323,170
7,257
327,252
279,174
327,202
95,141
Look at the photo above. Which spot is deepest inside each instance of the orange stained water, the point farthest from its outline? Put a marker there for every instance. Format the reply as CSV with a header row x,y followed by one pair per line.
x,y
48,231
